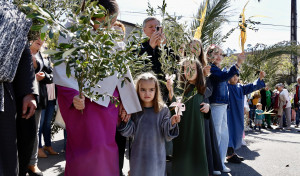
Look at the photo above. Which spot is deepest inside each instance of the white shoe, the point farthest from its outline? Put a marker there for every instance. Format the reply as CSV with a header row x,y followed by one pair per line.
x,y
244,142
226,170
216,173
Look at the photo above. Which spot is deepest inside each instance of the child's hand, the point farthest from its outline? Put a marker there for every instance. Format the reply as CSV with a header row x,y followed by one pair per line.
x,y
169,85
175,119
206,70
79,102
205,107
123,114
262,75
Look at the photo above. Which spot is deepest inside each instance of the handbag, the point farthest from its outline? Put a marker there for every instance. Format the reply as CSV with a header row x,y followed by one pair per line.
x,y
59,121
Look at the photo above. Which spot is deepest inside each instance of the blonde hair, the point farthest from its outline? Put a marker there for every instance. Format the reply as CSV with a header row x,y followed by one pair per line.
x,y
158,102
258,104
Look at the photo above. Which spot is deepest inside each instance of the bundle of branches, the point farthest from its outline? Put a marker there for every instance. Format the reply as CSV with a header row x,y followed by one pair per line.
x,y
91,54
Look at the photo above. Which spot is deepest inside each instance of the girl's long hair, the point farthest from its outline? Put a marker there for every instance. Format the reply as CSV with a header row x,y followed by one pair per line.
x,y
158,102
200,80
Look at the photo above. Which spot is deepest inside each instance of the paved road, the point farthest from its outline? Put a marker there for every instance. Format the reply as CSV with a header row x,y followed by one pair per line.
x,y
269,153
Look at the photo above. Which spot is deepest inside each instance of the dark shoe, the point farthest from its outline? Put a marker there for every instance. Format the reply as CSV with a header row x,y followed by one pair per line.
x,y
34,174
169,158
240,157
263,127
234,159
33,170
279,128
269,127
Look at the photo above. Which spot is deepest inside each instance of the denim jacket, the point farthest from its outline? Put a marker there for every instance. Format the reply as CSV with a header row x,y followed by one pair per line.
x,y
218,79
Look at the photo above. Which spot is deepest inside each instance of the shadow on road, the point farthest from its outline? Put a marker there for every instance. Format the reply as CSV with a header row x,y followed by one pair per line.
x,y
53,160
241,170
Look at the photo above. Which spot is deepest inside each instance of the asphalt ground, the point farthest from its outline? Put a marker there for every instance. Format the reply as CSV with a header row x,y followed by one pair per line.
x,y
267,153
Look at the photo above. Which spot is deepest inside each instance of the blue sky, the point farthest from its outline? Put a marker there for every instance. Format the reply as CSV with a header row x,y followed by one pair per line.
x,y
278,12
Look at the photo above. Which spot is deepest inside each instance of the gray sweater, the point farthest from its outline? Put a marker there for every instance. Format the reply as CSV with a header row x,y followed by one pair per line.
x,y
150,131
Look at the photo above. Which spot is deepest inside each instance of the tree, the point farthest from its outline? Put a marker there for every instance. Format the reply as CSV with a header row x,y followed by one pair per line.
x,y
274,60
216,15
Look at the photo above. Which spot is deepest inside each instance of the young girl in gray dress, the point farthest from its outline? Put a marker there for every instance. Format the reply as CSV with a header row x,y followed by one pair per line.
x,y
150,128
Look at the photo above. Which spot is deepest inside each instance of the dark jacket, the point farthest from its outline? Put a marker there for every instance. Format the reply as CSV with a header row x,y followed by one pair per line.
x,y
43,95
218,79
296,98
156,65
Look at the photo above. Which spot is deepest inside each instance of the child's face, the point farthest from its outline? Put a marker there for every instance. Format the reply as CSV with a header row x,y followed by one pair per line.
x,y
218,56
190,71
147,91
234,80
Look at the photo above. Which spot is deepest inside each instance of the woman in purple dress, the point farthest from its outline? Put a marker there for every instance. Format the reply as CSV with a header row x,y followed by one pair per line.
x,y
91,147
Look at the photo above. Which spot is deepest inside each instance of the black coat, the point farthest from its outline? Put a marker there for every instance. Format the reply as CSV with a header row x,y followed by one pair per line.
x,y
47,69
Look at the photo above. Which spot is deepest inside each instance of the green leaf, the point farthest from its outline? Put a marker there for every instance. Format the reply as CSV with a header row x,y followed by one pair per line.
x,y
68,52
58,63
99,15
43,35
36,27
110,43
68,70
51,52
65,45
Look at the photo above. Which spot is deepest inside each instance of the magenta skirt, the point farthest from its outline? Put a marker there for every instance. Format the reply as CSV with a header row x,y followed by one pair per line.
x,y
91,147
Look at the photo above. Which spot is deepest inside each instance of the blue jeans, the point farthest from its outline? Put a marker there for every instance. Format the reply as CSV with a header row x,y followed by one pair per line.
x,y
297,116
45,124
219,115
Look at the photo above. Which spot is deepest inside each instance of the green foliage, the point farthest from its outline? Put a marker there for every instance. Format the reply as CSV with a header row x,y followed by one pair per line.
x,y
91,54
274,60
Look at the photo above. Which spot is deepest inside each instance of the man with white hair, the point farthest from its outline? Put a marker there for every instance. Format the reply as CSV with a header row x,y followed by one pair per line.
x,y
284,106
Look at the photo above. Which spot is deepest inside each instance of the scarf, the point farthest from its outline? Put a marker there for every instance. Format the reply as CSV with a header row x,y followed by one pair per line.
x,y
14,28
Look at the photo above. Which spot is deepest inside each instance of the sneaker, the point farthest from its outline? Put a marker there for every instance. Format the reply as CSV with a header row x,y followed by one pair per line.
x,y
226,169
234,159
217,173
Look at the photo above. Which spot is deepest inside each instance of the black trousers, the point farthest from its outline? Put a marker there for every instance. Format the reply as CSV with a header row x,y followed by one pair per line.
x,y
8,135
121,142
26,133
17,136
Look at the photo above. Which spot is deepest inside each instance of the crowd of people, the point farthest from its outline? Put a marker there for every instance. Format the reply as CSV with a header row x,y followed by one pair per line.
x,y
198,135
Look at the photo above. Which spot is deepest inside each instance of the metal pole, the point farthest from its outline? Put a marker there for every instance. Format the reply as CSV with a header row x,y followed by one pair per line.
x,y
294,38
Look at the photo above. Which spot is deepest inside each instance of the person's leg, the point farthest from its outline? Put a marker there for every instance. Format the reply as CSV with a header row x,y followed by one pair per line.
x,y
47,124
280,121
34,156
288,116
121,142
26,134
42,121
224,135
297,117
8,137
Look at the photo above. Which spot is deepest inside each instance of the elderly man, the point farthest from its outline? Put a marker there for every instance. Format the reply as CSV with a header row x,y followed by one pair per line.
x,y
153,30
284,106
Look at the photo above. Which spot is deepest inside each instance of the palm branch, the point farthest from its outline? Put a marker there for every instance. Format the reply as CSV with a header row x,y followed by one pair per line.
x,y
216,15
